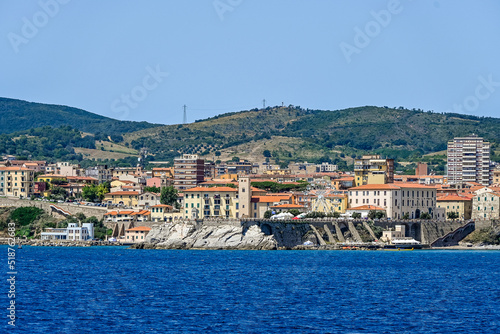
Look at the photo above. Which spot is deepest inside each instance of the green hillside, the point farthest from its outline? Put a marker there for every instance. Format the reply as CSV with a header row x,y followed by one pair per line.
x,y
18,115
280,135
318,135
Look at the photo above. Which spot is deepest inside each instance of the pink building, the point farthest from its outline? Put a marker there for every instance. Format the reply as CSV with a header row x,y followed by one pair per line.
x,y
153,182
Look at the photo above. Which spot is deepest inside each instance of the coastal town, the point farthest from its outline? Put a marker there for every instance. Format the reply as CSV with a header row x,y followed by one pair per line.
x,y
130,201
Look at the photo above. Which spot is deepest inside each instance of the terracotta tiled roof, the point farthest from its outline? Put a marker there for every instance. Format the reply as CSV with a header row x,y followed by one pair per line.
x,y
211,189
142,212
269,199
14,168
139,228
114,213
288,206
419,186
453,198
376,187
162,206
83,178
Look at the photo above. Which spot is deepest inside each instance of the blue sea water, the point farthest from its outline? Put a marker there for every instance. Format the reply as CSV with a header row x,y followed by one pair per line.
x,y
119,290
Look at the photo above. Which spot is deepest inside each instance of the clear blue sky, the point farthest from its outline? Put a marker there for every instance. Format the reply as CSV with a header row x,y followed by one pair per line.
x,y
143,60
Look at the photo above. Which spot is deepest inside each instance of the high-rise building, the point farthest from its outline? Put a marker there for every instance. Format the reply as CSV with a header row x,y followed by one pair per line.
x,y
469,160
372,169
189,170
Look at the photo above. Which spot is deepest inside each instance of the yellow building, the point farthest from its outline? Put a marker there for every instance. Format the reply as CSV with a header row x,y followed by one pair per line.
x,y
453,203
200,202
51,177
164,213
16,181
496,176
127,198
329,203
371,169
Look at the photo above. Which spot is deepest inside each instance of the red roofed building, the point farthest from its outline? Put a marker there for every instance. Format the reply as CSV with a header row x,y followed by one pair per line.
x,y
205,202
136,234
461,205
127,198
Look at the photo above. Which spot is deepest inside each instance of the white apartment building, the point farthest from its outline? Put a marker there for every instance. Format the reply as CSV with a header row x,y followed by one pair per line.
x,y
469,161
396,199
72,232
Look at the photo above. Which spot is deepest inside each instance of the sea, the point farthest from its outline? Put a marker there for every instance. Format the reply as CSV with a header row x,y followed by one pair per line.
x,y
120,290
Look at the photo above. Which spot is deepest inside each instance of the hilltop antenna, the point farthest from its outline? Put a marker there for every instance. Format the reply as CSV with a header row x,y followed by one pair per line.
x,y
184,119
264,104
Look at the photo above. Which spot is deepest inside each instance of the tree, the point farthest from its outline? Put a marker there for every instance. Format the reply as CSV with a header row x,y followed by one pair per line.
x,y
267,153
169,196
356,215
58,181
425,215
379,215
452,215
81,217
406,216
235,159
89,193
59,192
152,189
315,214
372,214
101,191
268,214
294,212
217,153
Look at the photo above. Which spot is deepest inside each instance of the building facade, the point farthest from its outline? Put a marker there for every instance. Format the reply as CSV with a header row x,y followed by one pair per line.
x,y
461,205
72,232
189,170
398,201
213,202
486,204
372,169
17,182
469,161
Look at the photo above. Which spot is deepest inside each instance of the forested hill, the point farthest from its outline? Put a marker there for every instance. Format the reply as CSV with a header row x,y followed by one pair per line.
x,y
18,115
303,134
280,134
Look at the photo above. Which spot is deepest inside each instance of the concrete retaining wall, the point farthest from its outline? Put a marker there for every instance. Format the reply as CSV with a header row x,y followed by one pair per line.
x,y
88,211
